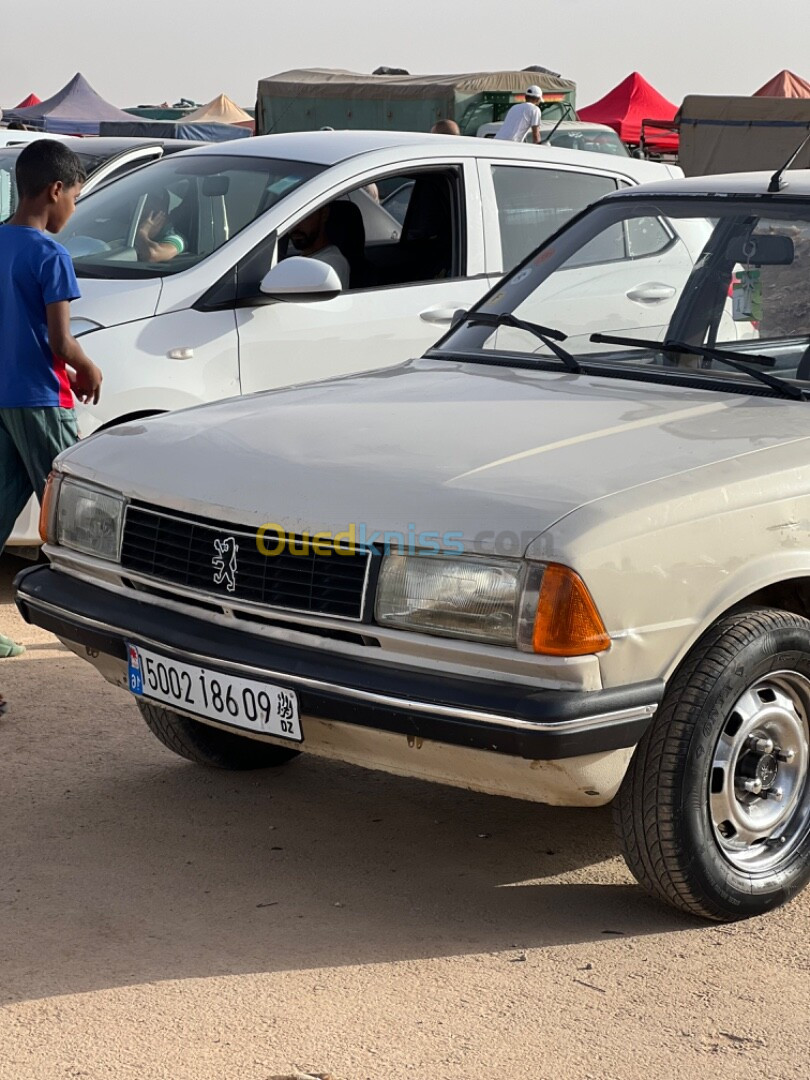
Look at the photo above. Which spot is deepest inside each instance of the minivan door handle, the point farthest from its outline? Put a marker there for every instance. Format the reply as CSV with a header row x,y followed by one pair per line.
x,y
652,292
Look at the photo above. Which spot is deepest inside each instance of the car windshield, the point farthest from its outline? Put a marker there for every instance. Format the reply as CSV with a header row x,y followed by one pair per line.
x,y
594,140
706,289
91,162
167,217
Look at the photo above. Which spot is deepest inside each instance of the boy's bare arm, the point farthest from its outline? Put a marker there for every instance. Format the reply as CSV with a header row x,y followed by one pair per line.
x,y
87,386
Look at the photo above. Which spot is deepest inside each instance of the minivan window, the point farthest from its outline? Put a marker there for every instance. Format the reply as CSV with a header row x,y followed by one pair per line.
x,y
169,217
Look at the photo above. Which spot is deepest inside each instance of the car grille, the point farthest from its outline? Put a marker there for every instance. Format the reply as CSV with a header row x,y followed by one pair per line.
x,y
224,561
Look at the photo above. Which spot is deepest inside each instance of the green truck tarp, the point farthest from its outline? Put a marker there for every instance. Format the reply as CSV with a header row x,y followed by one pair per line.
x,y
311,98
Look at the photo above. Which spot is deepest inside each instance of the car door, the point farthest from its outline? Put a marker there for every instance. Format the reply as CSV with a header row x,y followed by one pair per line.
x,y
628,278
389,315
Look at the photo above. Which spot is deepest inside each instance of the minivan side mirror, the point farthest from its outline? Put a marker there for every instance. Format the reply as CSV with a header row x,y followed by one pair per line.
x,y
299,277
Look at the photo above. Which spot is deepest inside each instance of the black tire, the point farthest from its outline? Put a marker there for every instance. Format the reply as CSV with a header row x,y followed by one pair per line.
x,y
206,745
664,810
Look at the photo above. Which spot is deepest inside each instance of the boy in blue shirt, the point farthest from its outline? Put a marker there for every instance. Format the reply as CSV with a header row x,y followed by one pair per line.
x,y
42,365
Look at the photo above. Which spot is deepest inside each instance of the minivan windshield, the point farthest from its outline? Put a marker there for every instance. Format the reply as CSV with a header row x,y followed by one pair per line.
x,y
713,289
167,217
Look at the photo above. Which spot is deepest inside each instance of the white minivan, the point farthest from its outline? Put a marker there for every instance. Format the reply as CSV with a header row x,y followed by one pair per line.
x,y
427,224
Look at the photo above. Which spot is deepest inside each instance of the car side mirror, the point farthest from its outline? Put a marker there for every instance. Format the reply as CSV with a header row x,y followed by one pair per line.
x,y
301,278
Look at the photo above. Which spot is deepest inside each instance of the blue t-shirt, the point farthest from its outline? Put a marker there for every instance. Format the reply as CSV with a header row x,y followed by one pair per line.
x,y
34,271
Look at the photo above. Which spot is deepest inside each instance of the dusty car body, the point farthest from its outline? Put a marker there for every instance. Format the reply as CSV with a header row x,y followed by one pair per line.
x,y
563,566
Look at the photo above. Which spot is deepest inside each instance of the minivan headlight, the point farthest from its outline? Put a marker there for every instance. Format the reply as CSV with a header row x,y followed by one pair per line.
x,y
89,519
476,599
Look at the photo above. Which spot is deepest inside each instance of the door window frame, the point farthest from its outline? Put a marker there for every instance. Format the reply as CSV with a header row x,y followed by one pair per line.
x,y
462,213
223,292
492,231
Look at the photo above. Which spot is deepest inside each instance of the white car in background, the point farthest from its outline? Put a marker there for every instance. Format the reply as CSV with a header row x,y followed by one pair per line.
x,y
231,315
15,137
569,134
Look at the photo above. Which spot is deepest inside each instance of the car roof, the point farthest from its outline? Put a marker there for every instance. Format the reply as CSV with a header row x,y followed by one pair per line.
x,y
795,181
333,147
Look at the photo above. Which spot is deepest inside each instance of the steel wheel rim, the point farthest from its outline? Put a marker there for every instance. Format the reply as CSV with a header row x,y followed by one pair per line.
x,y
759,796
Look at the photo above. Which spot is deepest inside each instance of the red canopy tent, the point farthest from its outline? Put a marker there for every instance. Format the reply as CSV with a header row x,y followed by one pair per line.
x,y
26,103
785,85
627,105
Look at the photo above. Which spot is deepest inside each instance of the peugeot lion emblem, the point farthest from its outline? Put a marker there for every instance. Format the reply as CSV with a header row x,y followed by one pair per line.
x,y
224,562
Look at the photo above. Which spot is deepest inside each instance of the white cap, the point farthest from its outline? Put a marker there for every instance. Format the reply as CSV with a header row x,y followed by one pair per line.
x,y
534,91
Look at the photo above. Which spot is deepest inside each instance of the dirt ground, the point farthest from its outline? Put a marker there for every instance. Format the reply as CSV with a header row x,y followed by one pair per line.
x,y
159,920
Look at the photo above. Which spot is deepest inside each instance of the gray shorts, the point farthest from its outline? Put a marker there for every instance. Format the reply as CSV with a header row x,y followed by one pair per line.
x,y
29,441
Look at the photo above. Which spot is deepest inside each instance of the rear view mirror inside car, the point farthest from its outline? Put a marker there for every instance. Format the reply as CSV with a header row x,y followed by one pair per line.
x,y
761,250
216,185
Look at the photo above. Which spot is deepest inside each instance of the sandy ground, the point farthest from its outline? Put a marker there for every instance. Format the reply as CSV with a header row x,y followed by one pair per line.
x,y
159,920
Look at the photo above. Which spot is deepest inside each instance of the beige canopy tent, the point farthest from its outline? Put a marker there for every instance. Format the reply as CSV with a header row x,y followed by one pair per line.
x,y
741,134
220,111
785,84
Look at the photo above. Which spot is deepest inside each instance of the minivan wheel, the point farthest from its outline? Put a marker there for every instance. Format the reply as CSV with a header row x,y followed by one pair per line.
x,y
713,815
206,745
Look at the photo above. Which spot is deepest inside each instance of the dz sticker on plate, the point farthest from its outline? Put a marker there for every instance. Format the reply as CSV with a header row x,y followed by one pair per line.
x,y
243,703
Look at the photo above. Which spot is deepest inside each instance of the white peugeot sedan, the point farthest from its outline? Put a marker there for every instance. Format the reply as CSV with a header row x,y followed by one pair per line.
x,y
557,560
427,223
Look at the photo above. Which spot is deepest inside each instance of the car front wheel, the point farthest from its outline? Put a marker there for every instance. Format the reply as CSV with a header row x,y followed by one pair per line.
x,y
207,745
713,815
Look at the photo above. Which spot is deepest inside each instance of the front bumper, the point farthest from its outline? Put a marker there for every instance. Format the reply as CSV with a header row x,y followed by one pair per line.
x,y
471,712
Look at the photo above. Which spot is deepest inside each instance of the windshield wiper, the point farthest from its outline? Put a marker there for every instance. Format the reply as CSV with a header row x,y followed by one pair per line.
x,y
546,334
737,360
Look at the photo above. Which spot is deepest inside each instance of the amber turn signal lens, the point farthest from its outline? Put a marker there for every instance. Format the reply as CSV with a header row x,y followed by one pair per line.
x,y
46,512
567,622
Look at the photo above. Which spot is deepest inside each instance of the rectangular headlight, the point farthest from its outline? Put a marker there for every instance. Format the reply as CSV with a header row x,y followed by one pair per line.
x,y
476,599
89,520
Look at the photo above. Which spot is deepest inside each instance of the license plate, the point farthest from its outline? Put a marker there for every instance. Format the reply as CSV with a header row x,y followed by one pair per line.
x,y
243,703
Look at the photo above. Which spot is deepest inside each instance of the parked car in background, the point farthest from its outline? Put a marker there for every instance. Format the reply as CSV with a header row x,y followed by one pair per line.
x,y
571,135
230,314
104,159
13,137
554,559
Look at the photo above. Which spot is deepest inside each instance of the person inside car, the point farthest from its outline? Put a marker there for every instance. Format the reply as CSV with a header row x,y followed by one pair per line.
x,y
157,239
311,239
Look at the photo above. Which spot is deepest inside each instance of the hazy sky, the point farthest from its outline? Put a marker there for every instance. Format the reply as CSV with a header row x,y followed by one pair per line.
x,y
156,50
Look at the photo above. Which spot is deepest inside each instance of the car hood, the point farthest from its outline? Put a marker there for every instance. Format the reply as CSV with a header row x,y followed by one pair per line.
x,y
431,446
109,301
